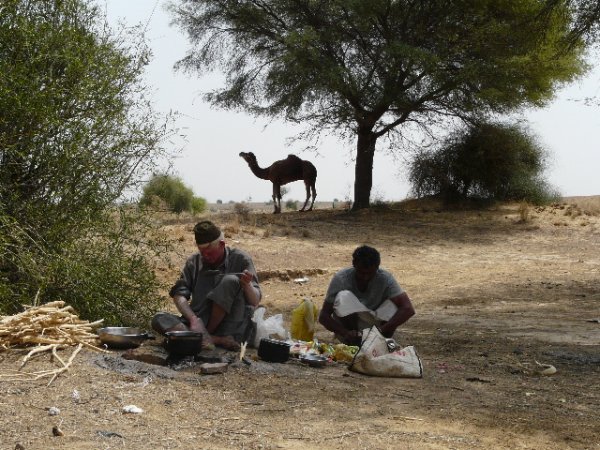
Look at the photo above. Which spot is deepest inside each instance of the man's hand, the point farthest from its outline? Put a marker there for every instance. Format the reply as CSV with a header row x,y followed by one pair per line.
x,y
245,278
197,325
351,337
251,294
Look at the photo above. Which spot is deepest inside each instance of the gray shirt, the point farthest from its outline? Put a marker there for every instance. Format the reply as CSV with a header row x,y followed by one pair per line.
x,y
197,281
380,288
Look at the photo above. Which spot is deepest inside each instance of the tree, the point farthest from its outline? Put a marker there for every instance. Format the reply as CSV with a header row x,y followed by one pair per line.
x,y
484,161
369,69
76,134
173,192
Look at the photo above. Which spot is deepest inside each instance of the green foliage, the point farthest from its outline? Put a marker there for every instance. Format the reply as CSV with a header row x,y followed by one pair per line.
x,y
485,161
76,133
367,69
199,205
291,204
173,193
108,276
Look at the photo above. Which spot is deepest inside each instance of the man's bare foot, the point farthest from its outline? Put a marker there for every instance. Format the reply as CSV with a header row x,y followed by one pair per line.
x,y
227,342
207,342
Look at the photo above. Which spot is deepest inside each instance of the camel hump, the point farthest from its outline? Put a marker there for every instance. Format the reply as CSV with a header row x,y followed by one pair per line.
x,y
293,158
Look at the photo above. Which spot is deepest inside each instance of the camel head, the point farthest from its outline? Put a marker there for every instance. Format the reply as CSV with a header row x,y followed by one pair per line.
x,y
248,157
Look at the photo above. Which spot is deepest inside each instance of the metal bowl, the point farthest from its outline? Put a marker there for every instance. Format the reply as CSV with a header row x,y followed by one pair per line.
x,y
122,337
314,360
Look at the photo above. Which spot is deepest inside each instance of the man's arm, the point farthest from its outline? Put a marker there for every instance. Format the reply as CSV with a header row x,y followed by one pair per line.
x,y
183,306
405,311
251,293
326,319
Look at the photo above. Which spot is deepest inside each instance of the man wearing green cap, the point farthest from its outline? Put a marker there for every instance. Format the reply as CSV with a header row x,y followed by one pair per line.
x,y
216,293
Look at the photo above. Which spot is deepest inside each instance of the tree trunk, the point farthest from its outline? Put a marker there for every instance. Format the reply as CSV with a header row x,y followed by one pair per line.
x,y
363,172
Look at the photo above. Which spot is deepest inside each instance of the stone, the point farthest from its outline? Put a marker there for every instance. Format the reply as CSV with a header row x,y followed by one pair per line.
x,y
149,355
213,368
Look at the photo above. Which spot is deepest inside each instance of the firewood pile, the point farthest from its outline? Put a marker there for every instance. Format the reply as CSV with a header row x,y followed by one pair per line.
x,y
47,328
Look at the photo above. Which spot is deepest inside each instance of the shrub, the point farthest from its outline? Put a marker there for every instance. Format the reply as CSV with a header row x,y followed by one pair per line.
x,y
76,134
291,204
107,279
484,161
198,205
242,210
173,192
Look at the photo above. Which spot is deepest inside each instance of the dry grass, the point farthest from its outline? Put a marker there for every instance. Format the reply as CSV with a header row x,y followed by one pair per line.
x,y
589,206
493,296
524,212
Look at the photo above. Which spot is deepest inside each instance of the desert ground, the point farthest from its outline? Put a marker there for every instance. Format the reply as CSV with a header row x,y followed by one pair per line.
x,y
496,290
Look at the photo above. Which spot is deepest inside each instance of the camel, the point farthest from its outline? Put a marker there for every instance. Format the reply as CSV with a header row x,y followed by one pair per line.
x,y
283,172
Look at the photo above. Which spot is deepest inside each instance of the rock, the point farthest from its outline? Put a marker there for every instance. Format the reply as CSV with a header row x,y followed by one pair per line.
x,y
211,357
212,368
149,355
53,411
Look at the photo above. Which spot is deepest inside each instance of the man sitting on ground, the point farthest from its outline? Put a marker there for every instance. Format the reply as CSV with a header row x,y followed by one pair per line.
x,y
224,291
364,295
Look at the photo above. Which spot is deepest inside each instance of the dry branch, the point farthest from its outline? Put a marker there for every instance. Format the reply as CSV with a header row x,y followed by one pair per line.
x,y
49,328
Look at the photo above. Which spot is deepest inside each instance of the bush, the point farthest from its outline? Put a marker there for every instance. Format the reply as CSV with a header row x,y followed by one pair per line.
x,y
107,279
291,204
484,161
242,210
173,192
77,133
198,205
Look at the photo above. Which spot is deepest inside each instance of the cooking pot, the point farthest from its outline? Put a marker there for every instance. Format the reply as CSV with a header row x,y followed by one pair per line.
x,y
183,343
272,350
122,337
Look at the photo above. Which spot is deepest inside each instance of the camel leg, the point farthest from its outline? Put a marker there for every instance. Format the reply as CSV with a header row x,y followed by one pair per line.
x,y
307,197
314,196
276,198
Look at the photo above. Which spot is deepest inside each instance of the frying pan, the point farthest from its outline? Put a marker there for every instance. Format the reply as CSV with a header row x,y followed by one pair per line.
x,y
122,337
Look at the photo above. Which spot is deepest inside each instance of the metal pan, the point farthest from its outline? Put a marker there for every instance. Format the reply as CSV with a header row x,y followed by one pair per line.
x,y
314,360
122,337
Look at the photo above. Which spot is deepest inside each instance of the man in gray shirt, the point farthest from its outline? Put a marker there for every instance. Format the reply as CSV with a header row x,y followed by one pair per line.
x,y
364,295
216,293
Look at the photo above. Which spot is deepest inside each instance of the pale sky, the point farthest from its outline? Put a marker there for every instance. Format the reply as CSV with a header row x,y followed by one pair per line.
x,y
210,165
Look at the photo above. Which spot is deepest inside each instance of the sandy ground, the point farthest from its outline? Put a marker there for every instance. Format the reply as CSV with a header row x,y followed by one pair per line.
x,y
493,294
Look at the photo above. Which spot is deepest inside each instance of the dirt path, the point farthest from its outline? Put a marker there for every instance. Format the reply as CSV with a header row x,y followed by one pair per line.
x,y
493,295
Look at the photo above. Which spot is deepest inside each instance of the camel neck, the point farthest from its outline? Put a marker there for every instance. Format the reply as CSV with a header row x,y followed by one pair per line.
x,y
259,171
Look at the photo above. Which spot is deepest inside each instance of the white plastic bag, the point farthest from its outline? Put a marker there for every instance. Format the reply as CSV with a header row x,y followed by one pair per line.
x,y
269,327
374,358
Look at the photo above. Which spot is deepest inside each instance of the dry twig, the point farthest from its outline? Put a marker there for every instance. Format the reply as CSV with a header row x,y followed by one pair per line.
x,y
49,327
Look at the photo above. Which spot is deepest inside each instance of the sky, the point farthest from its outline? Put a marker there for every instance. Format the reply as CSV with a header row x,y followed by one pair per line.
x,y
211,139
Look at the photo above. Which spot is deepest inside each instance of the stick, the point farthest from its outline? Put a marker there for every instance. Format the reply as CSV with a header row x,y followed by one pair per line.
x,y
39,349
57,372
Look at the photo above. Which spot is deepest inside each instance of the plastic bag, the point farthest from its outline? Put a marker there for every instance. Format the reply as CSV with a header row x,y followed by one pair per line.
x,y
267,328
375,358
303,321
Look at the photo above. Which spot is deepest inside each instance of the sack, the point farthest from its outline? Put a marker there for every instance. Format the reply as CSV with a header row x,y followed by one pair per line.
x,y
303,321
374,358
266,328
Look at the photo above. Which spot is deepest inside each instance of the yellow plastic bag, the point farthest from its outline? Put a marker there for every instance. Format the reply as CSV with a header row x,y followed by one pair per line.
x,y
303,321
